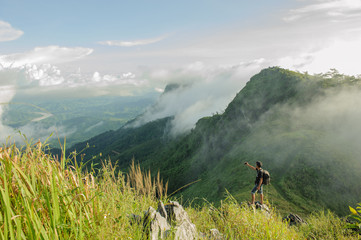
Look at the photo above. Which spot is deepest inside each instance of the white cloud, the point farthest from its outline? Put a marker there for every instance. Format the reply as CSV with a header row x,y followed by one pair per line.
x,y
132,43
6,94
46,80
160,90
8,33
47,55
120,79
329,9
344,55
45,74
203,90
96,77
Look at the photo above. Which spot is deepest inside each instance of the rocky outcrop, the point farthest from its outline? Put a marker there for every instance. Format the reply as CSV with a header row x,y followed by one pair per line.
x,y
157,225
262,207
168,219
293,219
185,229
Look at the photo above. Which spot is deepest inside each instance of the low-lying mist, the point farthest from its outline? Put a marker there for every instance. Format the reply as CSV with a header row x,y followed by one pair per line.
x,y
315,147
305,129
198,91
332,118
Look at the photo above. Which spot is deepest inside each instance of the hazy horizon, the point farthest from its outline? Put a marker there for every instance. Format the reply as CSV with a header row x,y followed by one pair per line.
x,y
123,48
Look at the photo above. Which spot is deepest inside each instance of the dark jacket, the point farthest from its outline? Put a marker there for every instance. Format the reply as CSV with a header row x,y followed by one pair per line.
x,y
259,176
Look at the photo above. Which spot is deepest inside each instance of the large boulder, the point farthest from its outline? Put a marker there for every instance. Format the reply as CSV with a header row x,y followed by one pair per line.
x,y
170,218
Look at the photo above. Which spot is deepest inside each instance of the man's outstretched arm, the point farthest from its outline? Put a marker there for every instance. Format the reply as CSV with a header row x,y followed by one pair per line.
x,y
247,164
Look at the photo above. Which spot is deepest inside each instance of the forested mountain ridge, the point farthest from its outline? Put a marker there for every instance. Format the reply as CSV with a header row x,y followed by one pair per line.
x,y
302,127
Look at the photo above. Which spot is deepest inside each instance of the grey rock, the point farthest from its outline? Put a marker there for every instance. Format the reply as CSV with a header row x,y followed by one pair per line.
x,y
161,210
158,225
215,234
262,207
293,219
184,228
167,220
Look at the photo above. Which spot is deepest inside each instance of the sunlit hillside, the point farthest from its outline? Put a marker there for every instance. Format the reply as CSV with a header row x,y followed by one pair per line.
x,y
304,128
43,197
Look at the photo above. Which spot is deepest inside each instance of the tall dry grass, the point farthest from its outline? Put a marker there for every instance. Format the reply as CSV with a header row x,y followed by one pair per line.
x,y
145,184
43,197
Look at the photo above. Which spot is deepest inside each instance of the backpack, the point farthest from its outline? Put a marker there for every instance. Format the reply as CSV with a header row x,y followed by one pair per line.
x,y
266,177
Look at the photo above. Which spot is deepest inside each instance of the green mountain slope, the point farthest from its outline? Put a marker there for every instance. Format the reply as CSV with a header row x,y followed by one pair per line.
x,y
303,128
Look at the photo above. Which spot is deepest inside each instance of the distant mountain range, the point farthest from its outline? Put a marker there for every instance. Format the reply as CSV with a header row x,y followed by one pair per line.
x,y
304,128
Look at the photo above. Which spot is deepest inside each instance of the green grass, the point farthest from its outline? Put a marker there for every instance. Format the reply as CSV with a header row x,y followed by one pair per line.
x,y
42,197
326,225
236,221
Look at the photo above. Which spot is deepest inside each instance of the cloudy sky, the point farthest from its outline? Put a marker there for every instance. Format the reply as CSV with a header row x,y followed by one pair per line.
x,y
128,47
119,36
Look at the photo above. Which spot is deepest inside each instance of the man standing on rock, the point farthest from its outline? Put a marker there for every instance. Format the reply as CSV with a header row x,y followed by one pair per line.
x,y
258,183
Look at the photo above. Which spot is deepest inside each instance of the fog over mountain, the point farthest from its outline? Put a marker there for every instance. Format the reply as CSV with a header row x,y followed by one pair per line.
x,y
304,128
151,45
206,90
199,91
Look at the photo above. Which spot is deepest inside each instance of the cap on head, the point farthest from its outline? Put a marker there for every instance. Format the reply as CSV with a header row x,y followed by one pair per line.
x,y
259,164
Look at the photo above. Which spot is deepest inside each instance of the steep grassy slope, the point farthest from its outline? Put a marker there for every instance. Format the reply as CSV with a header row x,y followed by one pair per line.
x,y
303,128
126,143
292,124
45,198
